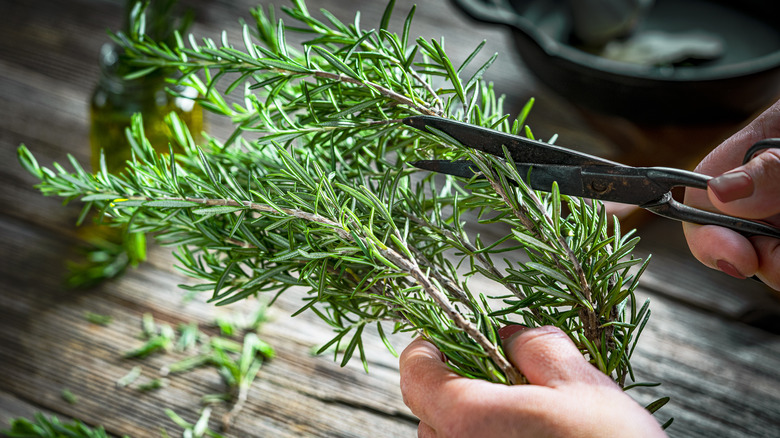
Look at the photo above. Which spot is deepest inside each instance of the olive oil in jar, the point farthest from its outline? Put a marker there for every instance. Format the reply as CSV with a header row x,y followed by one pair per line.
x,y
115,100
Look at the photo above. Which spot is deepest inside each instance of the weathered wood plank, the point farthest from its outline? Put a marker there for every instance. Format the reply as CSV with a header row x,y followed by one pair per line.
x,y
722,376
702,361
12,407
675,273
47,345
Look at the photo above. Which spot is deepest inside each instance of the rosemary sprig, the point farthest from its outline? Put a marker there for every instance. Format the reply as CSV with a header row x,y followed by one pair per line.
x,y
52,427
311,189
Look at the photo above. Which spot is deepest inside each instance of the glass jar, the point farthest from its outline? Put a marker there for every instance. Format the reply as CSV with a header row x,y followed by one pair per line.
x,y
115,100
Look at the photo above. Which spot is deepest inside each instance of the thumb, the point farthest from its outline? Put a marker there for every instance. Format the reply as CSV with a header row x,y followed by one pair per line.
x,y
750,191
547,357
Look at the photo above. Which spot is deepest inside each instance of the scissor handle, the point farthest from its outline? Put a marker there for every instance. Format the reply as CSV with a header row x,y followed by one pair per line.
x,y
767,143
669,208
672,209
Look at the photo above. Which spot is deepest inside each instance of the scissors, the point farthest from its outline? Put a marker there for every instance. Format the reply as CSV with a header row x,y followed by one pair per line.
x,y
587,176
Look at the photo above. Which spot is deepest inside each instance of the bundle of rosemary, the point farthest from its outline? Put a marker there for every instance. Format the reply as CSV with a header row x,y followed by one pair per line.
x,y
312,190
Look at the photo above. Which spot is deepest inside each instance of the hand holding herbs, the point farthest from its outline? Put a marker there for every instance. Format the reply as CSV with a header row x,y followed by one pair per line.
x,y
750,191
567,396
311,190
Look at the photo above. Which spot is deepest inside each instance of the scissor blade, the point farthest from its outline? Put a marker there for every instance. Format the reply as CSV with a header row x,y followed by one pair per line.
x,y
521,149
538,177
629,185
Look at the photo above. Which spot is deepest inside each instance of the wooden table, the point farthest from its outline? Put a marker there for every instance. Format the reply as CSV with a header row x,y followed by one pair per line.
x,y
723,375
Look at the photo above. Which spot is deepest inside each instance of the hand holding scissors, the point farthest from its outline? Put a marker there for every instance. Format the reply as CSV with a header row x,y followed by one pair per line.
x,y
588,176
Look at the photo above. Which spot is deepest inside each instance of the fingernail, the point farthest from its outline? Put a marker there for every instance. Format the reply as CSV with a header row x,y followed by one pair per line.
x,y
728,268
732,186
508,330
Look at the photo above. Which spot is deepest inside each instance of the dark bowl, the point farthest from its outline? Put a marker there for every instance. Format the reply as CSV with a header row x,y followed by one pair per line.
x,y
736,85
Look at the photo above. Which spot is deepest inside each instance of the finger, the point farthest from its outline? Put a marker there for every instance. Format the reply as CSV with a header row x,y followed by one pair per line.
x,y
722,249
769,261
423,377
547,357
729,154
425,431
751,191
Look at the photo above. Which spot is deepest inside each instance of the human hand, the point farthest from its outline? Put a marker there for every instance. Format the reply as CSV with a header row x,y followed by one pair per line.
x,y
751,191
566,397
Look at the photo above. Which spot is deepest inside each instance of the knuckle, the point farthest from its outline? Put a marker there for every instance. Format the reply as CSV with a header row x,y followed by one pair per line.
x,y
766,165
